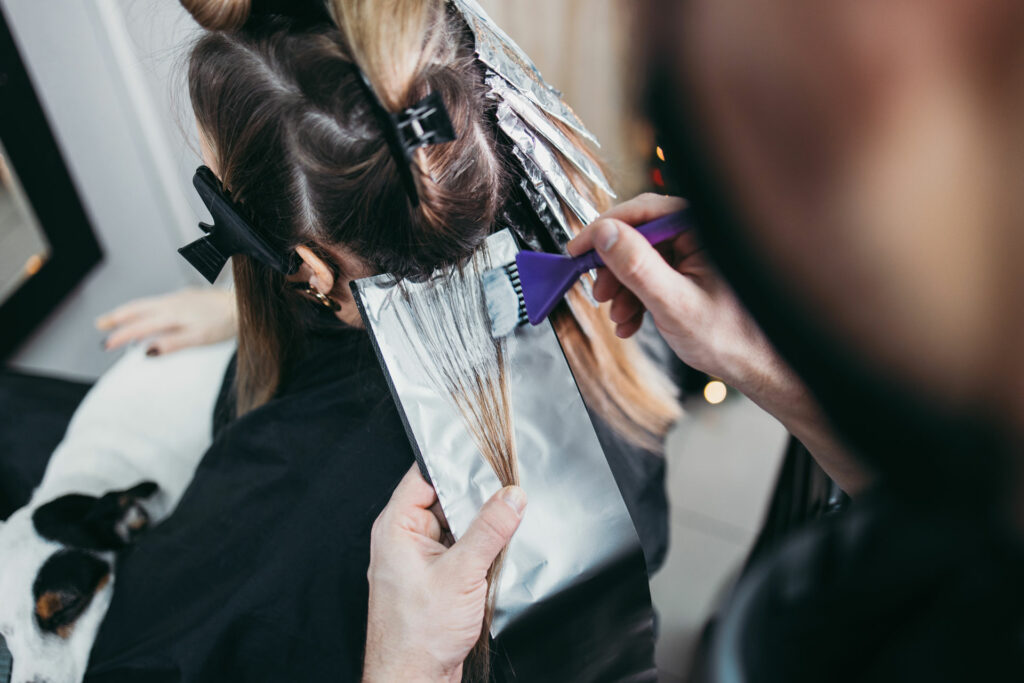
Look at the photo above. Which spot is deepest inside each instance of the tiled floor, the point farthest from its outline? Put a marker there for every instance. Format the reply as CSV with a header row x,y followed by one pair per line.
x,y
722,465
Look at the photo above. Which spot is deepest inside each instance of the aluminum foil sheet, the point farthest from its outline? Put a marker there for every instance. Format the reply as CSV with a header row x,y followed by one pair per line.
x,y
540,200
502,90
528,144
574,571
542,196
502,55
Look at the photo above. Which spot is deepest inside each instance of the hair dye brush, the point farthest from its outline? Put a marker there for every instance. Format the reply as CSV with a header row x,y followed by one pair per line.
x,y
529,288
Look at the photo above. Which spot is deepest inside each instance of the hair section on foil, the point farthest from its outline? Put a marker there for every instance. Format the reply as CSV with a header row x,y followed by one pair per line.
x,y
447,324
448,317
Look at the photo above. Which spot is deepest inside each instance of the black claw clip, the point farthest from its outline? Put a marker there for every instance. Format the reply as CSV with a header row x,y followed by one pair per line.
x,y
230,234
425,123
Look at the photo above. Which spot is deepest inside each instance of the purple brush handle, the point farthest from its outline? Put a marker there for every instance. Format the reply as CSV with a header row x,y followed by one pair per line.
x,y
655,232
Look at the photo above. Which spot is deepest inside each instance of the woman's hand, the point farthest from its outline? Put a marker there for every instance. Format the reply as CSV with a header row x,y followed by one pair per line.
x,y
426,600
701,319
189,317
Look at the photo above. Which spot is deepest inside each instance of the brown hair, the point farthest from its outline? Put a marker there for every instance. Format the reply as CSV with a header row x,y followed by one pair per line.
x,y
297,142
219,15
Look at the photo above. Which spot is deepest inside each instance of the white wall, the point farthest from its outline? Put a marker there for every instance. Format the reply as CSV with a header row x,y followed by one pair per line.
x,y
152,56
101,68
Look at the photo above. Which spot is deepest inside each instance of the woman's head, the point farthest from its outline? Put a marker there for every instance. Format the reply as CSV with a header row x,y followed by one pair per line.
x,y
290,130
293,136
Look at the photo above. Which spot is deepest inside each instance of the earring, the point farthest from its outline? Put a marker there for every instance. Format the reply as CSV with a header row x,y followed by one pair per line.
x,y
325,301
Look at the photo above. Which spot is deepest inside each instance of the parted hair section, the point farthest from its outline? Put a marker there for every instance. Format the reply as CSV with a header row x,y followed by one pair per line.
x,y
295,139
295,135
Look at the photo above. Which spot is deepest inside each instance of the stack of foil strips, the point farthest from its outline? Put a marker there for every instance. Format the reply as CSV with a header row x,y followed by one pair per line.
x,y
573,601
526,105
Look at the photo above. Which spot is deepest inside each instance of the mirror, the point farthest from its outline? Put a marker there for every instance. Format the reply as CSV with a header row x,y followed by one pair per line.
x,y
23,244
47,245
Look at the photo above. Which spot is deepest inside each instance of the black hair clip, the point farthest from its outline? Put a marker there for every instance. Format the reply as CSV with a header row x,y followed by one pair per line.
x,y
230,234
424,123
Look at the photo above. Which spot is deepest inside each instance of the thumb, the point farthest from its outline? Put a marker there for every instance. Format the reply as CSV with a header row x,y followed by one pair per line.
x,y
489,533
637,265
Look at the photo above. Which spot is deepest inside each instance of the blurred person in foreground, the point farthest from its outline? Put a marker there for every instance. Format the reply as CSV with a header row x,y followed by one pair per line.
x,y
856,168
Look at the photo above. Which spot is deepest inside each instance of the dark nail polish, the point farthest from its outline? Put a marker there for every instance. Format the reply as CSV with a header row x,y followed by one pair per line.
x,y
152,351
103,343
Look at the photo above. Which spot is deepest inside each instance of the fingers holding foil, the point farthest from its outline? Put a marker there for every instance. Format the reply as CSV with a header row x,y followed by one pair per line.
x,y
444,536
416,501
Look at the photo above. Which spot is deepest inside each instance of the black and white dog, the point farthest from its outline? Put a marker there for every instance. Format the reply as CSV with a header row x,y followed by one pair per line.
x,y
129,452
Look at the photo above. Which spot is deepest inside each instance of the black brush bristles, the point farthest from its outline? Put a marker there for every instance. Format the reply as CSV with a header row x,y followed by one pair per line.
x,y
503,293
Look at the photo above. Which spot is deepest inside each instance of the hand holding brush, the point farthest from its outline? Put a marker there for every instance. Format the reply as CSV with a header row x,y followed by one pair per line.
x,y
700,317
531,287
694,309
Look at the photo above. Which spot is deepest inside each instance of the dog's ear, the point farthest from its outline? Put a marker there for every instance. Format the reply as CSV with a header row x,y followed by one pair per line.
x,y
65,587
107,523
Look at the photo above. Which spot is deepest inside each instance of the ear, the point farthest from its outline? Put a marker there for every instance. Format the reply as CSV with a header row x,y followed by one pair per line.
x,y
315,271
65,587
107,523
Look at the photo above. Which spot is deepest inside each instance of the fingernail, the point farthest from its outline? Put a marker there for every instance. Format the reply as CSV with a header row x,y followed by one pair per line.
x,y
103,343
152,351
515,498
606,235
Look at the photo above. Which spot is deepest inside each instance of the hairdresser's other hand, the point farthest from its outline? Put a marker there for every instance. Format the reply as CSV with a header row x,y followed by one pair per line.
x,y
704,323
426,600
168,323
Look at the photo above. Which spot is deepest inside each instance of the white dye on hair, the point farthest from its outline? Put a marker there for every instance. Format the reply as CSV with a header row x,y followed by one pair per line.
x,y
448,316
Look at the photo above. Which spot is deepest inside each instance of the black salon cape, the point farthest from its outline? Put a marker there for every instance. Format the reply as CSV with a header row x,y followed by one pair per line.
x,y
260,574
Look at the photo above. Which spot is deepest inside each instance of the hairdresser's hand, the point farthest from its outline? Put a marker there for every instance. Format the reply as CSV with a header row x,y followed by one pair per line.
x,y
427,601
189,317
693,308
701,319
